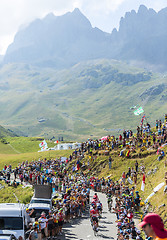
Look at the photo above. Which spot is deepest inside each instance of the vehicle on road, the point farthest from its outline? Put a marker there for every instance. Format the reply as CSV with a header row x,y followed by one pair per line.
x,y
41,200
12,220
7,237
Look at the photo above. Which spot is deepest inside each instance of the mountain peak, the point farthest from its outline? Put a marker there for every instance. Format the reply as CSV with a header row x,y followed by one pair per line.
x,y
76,17
142,9
57,41
49,17
77,11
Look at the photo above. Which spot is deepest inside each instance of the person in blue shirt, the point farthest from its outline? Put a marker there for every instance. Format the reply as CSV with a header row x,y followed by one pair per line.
x,y
162,154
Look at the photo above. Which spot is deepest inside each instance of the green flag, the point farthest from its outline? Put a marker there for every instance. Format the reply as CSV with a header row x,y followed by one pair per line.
x,y
138,111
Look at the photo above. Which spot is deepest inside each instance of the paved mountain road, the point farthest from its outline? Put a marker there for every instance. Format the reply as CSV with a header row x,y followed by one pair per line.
x,y
81,229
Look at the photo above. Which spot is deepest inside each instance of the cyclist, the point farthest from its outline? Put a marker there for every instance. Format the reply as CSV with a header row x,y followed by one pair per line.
x,y
94,217
99,208
95,197
109,200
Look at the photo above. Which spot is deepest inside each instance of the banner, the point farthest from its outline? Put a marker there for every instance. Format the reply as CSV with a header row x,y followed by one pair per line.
x,y
130,180
156,189
152,194
63,159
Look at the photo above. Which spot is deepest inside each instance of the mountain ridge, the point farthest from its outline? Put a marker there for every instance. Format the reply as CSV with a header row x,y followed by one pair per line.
x,y
142,36
73,37
63,41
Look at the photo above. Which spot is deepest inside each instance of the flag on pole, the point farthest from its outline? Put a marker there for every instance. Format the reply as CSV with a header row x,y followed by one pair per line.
x,y
43,145
138,111
143,118
143,183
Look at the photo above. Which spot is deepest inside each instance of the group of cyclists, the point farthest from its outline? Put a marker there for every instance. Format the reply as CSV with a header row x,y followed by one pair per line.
x,y
123,200
125,206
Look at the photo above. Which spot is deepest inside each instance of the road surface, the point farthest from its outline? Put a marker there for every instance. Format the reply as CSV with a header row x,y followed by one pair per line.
x,y
81,229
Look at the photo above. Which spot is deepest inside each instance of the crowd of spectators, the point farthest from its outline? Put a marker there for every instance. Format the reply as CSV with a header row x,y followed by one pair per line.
x,y
75,188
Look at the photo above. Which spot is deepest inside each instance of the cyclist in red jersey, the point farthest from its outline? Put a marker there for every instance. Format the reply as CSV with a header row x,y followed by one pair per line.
x,y
94,215
95,197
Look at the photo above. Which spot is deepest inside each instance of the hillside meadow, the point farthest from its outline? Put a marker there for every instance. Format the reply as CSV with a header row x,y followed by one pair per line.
x,y
92,98
23,149
20,149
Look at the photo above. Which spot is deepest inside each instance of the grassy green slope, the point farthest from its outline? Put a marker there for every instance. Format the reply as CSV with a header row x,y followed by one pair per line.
x,y
26,144
6,133
24,194
6,149
91,97
15,159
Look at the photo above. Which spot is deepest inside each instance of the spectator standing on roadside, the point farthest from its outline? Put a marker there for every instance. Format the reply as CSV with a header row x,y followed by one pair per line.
x,y
50,224
136,166
43,225
124,134
110,162
128,173
123,178
156,124
132,173
34,234
27,233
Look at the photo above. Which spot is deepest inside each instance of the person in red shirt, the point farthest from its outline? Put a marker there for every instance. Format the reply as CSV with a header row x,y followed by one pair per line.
x,y
123,178
94,215
95,197
120,138
60,220
129,215
30,176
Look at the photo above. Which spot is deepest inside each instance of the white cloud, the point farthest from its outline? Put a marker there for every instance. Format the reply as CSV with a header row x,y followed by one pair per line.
x,y
105,6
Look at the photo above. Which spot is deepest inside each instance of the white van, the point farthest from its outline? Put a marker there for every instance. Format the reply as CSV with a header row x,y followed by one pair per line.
x,y
7,237
12,219
39,205
41,201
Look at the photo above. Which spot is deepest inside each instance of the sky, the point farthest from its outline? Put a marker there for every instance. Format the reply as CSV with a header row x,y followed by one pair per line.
x,y
104,14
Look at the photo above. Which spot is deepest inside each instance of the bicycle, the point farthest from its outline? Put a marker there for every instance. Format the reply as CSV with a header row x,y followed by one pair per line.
x,y
95,227
110,205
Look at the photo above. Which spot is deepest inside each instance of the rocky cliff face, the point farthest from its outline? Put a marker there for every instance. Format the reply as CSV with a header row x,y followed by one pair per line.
x,y
63,41
142,36
58,41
